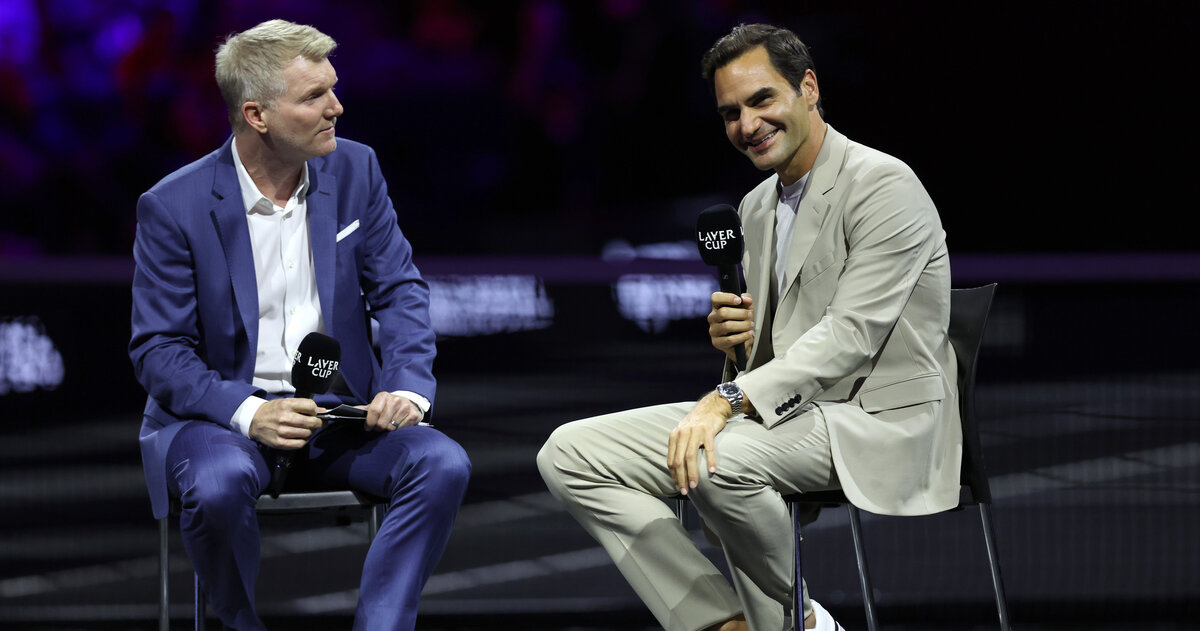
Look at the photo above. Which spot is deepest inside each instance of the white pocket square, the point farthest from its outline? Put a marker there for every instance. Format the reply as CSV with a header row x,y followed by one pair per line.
x,y
347,230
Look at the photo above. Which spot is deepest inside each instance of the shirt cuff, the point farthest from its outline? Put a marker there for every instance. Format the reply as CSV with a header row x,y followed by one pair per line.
x,y
421,402
245,414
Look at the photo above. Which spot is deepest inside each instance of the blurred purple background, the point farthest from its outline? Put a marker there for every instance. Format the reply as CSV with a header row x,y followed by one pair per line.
x,y
554,127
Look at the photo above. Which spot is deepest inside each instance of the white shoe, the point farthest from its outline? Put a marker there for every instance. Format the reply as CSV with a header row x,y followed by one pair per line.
x,y
825,622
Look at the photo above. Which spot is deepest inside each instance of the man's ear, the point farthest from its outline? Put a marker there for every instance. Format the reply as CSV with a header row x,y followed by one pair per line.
x,y
810,89
254,114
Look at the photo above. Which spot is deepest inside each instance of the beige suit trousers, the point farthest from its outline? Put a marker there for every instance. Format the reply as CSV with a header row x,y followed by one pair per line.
x,y
610,471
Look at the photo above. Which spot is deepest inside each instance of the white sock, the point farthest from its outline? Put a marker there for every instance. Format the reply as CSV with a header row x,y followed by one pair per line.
x,y
825,622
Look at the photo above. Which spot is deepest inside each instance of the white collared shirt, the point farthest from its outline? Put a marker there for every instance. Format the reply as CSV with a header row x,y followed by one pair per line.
x,y
289,307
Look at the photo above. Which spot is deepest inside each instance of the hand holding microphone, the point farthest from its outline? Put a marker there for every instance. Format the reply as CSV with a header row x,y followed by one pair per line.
x,y
287,424
719,239
731,326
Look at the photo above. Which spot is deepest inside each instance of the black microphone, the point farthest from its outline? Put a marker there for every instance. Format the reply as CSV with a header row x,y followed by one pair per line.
x,y
314,367
719,238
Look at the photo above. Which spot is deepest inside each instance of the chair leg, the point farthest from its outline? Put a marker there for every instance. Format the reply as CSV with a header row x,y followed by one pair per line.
x,y
864,576
797,574
201,604
164,574
373,523
989,538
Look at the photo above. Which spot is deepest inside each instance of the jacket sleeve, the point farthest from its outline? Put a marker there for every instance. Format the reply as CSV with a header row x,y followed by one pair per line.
x,y
397,294
166,341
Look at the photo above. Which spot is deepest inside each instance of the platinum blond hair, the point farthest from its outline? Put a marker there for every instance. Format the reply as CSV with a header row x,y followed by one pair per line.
x,y
250,64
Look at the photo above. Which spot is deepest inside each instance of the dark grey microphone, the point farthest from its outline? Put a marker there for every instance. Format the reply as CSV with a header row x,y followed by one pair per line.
x,y
719,238
314,367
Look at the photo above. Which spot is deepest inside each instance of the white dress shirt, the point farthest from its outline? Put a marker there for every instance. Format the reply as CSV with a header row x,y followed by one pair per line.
x,y
289,307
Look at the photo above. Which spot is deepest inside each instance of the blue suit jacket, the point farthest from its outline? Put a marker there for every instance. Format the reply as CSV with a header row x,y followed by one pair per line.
x,y
195,296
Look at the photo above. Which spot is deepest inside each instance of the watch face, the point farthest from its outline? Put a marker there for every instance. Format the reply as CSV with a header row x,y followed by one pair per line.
x,y
733,394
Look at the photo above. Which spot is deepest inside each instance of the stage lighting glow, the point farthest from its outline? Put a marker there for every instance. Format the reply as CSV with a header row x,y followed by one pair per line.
x,y
622,250
652,301
28,358
465,306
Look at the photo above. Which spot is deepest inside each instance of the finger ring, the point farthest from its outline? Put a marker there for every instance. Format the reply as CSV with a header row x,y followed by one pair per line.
x,y
395,424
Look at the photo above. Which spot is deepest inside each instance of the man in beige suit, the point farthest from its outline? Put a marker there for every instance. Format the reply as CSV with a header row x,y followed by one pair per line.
x,y
850,381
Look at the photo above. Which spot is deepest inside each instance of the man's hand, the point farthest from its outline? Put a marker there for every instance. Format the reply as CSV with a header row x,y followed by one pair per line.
x,y
698,429
731,322
285,423
389,412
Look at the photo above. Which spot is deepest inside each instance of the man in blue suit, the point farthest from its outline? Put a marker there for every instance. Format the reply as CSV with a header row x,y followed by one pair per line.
x,y
239,256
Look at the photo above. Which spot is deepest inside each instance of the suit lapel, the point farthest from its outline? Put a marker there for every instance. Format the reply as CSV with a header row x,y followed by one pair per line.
x,y
760,283
809,213
322,231
229,219
809,242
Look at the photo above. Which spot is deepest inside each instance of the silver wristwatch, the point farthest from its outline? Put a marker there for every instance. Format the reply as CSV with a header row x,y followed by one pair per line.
x,y
733,394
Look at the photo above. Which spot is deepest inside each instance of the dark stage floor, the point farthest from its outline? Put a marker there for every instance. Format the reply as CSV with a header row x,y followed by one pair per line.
x,y
1094,461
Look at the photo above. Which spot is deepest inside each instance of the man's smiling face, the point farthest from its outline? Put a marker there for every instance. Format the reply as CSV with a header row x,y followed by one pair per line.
x,y
765,117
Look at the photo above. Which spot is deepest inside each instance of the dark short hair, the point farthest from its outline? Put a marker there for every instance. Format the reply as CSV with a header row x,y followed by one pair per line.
x,y
787,53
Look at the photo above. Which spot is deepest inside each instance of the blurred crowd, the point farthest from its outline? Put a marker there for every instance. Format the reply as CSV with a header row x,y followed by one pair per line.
x,y
564,126
540,125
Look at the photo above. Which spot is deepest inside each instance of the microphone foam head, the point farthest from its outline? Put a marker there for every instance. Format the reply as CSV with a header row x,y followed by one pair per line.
x,y
719,235
316,363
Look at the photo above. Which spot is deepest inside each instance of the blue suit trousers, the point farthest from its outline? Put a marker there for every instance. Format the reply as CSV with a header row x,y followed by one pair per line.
x,y
218,474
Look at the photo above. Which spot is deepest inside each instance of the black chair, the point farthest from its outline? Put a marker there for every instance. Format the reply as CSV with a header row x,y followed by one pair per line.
x,y
968,317
335,502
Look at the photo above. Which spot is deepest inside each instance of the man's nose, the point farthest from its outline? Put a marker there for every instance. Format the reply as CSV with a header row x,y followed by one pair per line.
x,y
748,125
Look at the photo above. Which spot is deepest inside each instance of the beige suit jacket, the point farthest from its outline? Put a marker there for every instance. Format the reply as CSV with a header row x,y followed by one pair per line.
x,y
860,329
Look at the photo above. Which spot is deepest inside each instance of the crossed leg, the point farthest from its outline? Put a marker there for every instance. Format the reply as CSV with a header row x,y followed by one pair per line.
x,y
610,472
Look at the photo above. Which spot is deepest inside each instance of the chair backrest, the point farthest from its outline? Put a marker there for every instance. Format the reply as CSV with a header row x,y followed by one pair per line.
x,y
968,318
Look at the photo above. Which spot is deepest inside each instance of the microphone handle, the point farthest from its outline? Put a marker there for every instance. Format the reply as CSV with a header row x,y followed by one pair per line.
x,y
727,276
282,460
